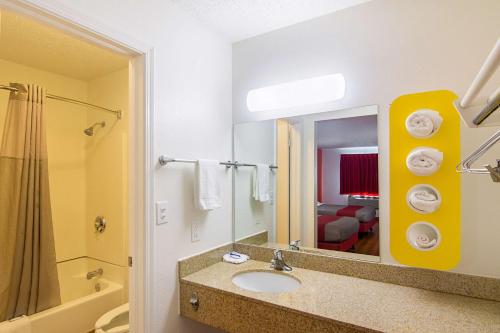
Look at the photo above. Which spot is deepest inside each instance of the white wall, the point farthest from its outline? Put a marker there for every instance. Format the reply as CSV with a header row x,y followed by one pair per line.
x,y
331,172
387,48
253,143
192,120
384,48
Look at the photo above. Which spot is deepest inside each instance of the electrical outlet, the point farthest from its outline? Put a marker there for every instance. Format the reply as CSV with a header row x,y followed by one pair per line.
x,y
161,212
195,232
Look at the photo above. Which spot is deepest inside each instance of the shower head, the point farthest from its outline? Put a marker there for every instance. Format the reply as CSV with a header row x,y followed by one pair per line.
x,y
90,131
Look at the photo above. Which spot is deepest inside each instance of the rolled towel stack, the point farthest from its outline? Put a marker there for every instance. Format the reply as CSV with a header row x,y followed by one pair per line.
x,y
234,257
424,201
423,123
424,161
424,242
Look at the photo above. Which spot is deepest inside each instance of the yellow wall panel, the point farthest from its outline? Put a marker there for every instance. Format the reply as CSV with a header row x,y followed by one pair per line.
x,y
447,219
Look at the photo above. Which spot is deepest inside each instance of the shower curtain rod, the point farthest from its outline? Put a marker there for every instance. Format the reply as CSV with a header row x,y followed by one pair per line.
x,y
118,113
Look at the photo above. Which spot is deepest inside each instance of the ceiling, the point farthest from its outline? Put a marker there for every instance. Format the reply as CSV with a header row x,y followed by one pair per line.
x,y
347,132
241,19
27,42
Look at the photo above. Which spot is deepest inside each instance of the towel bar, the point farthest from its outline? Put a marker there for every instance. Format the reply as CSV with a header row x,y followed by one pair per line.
x,y
164,160
486,71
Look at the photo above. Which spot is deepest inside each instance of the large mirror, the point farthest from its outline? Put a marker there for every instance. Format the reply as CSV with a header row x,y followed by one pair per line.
x,y
315,187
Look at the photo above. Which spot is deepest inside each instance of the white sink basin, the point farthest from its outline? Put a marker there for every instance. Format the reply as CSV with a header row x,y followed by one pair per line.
x,y
266,281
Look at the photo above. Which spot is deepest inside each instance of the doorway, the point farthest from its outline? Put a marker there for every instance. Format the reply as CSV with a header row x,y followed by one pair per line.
x,y
137,166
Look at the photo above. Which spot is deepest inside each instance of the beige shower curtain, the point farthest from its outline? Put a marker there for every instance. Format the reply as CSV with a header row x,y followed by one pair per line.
x,y
28,272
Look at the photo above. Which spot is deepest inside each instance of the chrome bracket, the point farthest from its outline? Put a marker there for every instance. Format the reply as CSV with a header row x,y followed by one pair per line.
x,y
194,301
100,224
494,172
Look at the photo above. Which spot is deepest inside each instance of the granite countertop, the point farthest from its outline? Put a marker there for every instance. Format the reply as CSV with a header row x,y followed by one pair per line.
x,y
364,303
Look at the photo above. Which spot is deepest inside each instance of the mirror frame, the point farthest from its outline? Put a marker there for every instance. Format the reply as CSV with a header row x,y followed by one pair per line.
x,y
313,118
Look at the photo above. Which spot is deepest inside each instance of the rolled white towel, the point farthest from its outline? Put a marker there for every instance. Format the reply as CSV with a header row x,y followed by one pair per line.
x,y
234,257
423,123
424,201
424,242
424,161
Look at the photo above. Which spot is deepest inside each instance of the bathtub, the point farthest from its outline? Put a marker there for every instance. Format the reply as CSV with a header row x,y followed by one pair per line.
x,y
81,304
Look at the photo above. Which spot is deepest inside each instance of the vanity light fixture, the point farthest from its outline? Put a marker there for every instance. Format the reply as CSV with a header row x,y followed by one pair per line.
x,y
316,90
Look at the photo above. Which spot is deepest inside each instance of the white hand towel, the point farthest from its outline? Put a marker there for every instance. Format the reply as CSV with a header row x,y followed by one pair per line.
x,y
423,123
234,257
424,242
206,185
16,325
261,184
424,161
424,201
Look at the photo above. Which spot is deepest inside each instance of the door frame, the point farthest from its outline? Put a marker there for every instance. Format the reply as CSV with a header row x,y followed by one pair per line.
x,y
141,162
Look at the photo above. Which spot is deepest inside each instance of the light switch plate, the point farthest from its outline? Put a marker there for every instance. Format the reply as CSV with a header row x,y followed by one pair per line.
x,y
161,212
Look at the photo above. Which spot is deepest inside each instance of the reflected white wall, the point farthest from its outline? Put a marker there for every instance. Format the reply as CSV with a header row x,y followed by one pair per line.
x,y
254,142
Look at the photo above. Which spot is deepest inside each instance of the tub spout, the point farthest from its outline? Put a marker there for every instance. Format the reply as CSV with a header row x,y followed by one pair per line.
x,y
96,273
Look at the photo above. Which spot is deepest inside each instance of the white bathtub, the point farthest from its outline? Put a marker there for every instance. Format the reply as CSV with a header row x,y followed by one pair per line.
x,y
81,304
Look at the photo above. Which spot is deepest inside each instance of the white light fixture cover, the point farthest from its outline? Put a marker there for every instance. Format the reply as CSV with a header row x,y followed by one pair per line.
x,y
316,90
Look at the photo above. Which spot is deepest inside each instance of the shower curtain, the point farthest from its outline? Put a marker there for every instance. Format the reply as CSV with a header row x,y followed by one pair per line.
x,y
28,272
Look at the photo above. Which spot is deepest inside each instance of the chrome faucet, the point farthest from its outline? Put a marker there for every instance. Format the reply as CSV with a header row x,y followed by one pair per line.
x,y
97,273
294,246
278,263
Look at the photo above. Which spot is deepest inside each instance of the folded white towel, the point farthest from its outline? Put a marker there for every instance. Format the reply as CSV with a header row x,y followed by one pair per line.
x,y
206,185
424,161
234,257
261,184
424,201
16,325
423,241
423,123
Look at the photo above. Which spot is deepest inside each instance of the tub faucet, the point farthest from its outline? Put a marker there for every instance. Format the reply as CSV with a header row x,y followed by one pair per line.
x,y
294,246
97,273
278,263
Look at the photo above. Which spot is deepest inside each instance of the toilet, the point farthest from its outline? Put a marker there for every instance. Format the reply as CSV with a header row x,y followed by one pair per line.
x,y
114,321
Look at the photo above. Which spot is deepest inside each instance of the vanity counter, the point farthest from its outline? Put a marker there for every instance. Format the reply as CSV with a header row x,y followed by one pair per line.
x,y
325,300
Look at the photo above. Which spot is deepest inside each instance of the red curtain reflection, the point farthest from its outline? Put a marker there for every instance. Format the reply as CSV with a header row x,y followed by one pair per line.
x,y
359,174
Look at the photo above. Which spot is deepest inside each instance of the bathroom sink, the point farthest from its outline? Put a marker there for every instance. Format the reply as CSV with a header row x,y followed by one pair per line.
x,y
266,281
